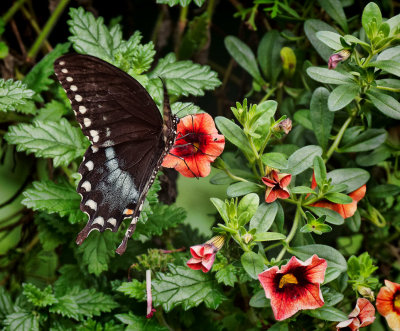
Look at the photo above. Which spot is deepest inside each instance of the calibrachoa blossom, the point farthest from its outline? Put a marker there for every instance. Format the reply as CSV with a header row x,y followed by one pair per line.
x,y
362,315
197,144
204,254
276,186
347,210
295,286
388,304
334,59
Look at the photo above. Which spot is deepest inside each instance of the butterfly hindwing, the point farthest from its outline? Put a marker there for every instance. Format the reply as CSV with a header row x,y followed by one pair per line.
x,y
128,136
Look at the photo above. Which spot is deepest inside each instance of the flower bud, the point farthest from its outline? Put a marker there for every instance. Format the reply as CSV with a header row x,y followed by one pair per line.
x,y
334,59
285,126
247,238
366,292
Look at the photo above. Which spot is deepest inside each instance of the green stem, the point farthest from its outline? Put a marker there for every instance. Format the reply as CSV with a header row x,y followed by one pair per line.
x,y
269,93
231,175
388,88
14,8
338,138
160,318
267,138
272,246
181,27
47,28
291,234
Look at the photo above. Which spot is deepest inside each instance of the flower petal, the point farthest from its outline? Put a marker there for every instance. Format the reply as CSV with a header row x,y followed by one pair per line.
x,y
393,321
267,280
352,323
384,300
358,194
197,251
270,195
207,264
282,193
364,311
194,264
284,180
268,181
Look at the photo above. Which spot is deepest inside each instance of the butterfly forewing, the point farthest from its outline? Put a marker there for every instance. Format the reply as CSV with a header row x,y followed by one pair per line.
x,y
129,140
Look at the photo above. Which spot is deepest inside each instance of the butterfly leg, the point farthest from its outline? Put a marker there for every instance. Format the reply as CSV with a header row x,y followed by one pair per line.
x,y
132,227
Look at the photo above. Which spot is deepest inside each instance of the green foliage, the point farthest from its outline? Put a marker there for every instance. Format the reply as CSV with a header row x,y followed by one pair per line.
x,y
13,94
360,270
39,298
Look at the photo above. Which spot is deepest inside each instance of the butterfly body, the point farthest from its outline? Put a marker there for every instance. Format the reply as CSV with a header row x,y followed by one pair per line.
x,y
129,140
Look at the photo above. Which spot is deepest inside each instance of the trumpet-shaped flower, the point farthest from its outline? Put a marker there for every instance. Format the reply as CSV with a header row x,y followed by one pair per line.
x,y
388,304
362,315
276,186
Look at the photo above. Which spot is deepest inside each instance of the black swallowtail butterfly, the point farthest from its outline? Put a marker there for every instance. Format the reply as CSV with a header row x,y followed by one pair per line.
x,y
129,140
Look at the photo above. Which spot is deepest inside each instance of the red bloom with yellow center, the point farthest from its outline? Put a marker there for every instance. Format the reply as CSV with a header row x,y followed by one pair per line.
x,y
346,210
362,315
388,304
276,186
204,254
197,144
294,287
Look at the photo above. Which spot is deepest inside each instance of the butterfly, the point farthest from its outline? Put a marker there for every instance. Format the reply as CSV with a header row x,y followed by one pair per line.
x,y
129,140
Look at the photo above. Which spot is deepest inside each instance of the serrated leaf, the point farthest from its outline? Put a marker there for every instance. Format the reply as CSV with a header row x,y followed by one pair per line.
x,y
52,111
143,57
91,36
66,306
136,323
227,275
57,140
13,93
22,321
6,304
182,109
38,297
54,198
38,79
186,287
185,77
133,289
97,250
70,274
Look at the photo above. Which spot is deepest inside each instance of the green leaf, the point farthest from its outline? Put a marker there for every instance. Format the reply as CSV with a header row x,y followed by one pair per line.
x,y
52,111
319,171
331,39
6,304
244,56
327,313
90,36
383,191
302,190
196,36
327,76
332,256
186,287
268,236
233,133
182,109
394,24
134,289
248,206
13,94
385,103
352,177
268,55
350,39
259,300
390,66
368,140
354,222
392,53
275,160
58,140
54,198
38,79
311,27
185,77
242,188
4,50
97,250
22,321
220,206
342,95
332,217
39,298
302,159
264,217
316,225
252,263
331,296
371,19
378,155
140,323
338,198
334,8
227,275
322,118
142,58
302,116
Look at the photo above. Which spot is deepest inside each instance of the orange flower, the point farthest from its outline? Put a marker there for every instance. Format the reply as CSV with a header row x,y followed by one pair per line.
x,y
347,210
388,304
197,144
296,286
362,315
276,186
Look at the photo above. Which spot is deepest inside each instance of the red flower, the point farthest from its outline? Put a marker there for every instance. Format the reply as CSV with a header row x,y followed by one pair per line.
x,y
296,286
204,254
362,315
277,183
347,210
196,146
388,304
334,59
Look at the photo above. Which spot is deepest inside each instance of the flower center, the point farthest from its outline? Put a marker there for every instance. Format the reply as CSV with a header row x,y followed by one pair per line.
x,y
287,279
397,301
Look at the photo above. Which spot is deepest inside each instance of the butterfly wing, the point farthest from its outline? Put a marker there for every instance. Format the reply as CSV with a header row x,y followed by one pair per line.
x,y
128,141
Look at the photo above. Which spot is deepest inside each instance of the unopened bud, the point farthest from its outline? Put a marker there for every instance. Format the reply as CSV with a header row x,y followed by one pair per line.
x,y
247,238
334,59
366,292
285,126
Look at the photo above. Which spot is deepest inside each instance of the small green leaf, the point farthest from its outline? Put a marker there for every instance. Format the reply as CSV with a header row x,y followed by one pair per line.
x,y
332,217
22,321
39,298
227,275
331,296
268,236
334,8
322,118
342,95
58,140
248,206
371,19
268,55
13,94
302,190
252,263
134,289
302,116
275,160
242,188
319,170
134,322
259,300
6,304
340,198
220,205
368,140
302,159
385,103
352,177
331,39
264,217
327,313
390,66
244,56
233,133
182,109
327,76
354,222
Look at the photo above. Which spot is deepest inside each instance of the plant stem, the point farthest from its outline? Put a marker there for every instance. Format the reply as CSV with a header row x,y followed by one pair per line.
x,y
181,27
10,13
338,138
231,175
291,233
47,28
160,318
35,26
